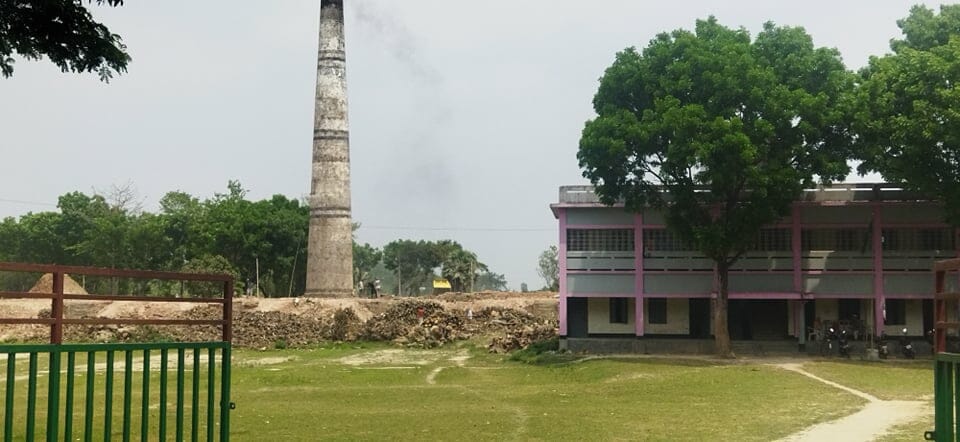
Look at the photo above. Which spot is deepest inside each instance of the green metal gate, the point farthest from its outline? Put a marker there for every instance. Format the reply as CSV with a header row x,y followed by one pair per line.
x,y
946,382
116,391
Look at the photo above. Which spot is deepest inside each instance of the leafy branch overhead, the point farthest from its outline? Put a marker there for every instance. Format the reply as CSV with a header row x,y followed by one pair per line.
x,y
65,32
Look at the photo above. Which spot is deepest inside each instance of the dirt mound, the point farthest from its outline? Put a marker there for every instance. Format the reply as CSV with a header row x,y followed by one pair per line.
x,y
415,322
45,285
511,320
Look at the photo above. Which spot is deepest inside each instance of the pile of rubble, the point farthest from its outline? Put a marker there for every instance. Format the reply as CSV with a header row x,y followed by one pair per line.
x,y
408,322
416,323
517,339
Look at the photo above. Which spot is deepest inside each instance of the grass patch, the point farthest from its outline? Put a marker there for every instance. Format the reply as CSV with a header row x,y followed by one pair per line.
x,y
373,391
909,432
899,380
317,395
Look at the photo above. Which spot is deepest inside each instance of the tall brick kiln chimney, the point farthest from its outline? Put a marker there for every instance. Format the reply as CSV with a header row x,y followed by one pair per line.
x,y
330,246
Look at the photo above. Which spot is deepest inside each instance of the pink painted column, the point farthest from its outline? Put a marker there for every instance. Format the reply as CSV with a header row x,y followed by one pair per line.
x,y
878,298
562,272
638,318
795,244
796,234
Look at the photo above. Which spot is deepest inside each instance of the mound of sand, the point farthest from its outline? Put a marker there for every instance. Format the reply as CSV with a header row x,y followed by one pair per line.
x,y
45,285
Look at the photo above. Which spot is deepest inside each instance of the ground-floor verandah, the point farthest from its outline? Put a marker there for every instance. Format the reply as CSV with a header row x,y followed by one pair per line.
x,y
796,320
697,346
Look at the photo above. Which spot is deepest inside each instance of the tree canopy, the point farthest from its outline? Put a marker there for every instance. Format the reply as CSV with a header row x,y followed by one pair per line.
x,y
227,233
62,30
720,132
548,268
908,120
414,264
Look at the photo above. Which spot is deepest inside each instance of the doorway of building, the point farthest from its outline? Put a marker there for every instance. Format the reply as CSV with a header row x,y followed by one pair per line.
x,y
577,318
700,318
760,320
848,309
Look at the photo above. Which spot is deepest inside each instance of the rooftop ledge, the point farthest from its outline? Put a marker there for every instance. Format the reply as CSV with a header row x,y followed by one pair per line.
x,y
835,194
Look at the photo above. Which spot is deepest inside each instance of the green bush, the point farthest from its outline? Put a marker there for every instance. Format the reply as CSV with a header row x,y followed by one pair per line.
x,y
544,352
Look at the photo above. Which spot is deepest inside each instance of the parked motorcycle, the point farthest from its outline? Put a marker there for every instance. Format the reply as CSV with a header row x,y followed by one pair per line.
x,y
826,347
843,344
882,348
906,347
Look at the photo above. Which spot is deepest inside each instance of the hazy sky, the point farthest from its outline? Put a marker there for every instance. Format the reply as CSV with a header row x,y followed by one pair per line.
x,y
464,115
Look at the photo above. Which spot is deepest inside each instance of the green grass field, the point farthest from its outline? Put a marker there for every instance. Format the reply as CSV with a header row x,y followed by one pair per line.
x,y
893,380
378,392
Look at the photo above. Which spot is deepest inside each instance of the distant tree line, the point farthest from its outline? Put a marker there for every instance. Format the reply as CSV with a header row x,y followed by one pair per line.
x,y
255,241
408,267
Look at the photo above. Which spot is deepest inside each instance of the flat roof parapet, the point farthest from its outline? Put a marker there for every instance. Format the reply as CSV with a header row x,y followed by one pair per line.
x,y
837,193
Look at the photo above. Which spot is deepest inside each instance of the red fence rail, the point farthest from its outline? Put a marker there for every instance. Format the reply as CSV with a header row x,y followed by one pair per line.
x,y
943,301
58,297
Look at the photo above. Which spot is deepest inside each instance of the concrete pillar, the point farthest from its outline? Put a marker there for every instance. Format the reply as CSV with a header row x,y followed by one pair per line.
x,y
879,299
330,245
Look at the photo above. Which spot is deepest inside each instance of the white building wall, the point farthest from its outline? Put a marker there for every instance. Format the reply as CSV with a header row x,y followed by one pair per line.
x,y
598,318
827,309
678,319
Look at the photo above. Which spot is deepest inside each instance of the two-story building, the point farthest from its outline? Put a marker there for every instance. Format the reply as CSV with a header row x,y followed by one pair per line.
x,y
856,255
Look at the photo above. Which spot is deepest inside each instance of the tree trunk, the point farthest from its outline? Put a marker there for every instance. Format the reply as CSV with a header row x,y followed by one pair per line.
x,y
721,331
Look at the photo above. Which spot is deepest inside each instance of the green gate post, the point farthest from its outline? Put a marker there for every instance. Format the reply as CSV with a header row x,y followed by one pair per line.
x,y
195,398
32,396
68,405
88,399
180,362
53,396
225,404
145,400
8,411
127,392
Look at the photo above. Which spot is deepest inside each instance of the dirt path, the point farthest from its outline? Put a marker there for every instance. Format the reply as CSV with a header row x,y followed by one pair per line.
x,y
871,422
459,359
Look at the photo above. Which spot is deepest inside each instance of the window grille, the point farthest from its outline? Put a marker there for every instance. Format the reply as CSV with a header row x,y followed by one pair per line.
x,y
662,240
850,240
768,240
773,240
936,239
918,239
600,240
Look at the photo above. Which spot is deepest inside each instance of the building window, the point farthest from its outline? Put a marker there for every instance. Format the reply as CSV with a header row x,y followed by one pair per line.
x,y
936,239
834,240
900,240
662,240
618,311
896,310
890,239
773,240
657,310
600,240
